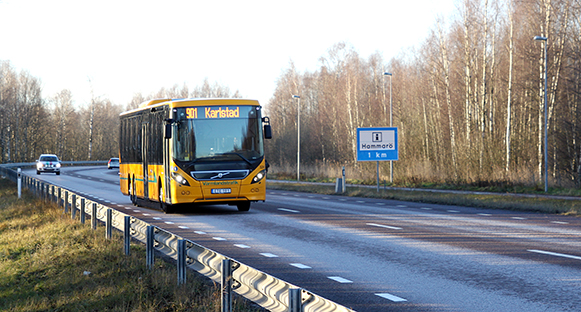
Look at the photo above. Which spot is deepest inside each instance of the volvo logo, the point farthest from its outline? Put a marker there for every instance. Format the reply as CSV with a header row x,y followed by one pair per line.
x,y
220,175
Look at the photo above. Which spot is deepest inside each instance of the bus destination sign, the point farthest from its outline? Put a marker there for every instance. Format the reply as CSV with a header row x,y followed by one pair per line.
x,y
213,112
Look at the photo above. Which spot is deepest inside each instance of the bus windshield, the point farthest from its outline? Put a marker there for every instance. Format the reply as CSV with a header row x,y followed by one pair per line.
x,y
218,134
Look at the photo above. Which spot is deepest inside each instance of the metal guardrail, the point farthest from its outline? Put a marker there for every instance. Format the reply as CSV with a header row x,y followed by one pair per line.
x,y
265,290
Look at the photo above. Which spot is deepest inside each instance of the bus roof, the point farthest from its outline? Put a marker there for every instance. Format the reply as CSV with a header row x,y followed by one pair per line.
x,y
192,101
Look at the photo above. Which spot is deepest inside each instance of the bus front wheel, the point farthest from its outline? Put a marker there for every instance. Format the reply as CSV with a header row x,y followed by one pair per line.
x,y
243,206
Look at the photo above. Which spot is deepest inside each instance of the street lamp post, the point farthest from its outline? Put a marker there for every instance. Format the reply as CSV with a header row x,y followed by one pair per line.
x,y
539,38
391,125
298,136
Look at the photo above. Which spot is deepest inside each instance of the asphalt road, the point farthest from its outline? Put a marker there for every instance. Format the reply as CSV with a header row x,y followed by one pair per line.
x,y
380,255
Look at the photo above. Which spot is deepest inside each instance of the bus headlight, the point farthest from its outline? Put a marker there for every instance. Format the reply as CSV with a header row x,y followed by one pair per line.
x,y
180,179
259,176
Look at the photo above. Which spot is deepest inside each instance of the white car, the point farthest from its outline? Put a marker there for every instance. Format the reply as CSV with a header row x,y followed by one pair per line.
x,y
48,163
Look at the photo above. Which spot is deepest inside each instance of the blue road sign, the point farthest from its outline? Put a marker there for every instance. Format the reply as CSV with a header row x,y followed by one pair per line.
x,y
377,144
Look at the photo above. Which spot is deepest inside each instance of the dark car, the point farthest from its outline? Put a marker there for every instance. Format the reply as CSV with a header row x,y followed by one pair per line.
x,y
113,163
48,163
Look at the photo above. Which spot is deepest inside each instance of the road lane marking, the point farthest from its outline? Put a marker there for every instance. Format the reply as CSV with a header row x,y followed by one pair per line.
x,y
242,246
559,222
269,255
300,266
156,218
288,210
485,214
183,227
518,218
361,202
169,222
219,238
402,206
339,279
147,214
453,211
391,297
384,226
556,254
200,232
426,208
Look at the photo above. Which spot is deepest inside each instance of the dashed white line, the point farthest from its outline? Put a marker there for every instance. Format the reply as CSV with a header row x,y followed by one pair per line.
x,y
183,227
269,255
156,218
339,279
401,206
559,222
361,201
242,246
381,204
453,211
288,210
485,214
384,226
554,254
168,222
200,232
147,214
391,297
426,208
219,238
518,218
300,266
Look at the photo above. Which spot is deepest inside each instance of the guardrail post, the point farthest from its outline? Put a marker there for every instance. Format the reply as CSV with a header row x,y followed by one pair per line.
x,y
19,182
181,262
66,201
74,206
94,216
109,224
295,303
149,246
82,208
226,285
59,196
127,234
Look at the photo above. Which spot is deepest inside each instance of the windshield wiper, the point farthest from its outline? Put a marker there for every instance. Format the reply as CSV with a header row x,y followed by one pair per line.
x,y
239,155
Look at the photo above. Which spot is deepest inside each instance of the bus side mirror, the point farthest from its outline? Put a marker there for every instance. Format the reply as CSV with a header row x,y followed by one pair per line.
x,y
267,128
167,133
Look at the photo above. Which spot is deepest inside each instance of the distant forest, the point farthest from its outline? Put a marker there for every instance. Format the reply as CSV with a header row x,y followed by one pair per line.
x,y
468,104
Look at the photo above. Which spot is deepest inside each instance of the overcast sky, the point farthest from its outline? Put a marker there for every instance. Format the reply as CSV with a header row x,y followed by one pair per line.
x,y
118,48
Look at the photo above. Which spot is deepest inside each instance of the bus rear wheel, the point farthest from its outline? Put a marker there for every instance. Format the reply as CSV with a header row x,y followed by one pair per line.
x,y
243,206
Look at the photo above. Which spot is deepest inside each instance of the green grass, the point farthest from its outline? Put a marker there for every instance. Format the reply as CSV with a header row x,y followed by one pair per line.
x,y
44,254
508,202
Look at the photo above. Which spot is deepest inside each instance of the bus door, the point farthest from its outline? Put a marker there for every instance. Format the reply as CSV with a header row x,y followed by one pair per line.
x,y
166,162
144,150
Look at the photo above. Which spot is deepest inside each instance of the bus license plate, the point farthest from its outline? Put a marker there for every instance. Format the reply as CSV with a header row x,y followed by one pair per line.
x,y
222,191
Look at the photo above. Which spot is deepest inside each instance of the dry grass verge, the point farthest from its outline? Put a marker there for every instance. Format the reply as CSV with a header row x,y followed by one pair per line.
x,y
45,260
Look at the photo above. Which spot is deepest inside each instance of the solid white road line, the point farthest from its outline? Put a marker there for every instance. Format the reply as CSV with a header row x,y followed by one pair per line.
x,y
391,297
555,254
384,226
288,210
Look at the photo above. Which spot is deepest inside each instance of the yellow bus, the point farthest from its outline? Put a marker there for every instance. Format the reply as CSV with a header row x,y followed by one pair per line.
x,y
193,151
